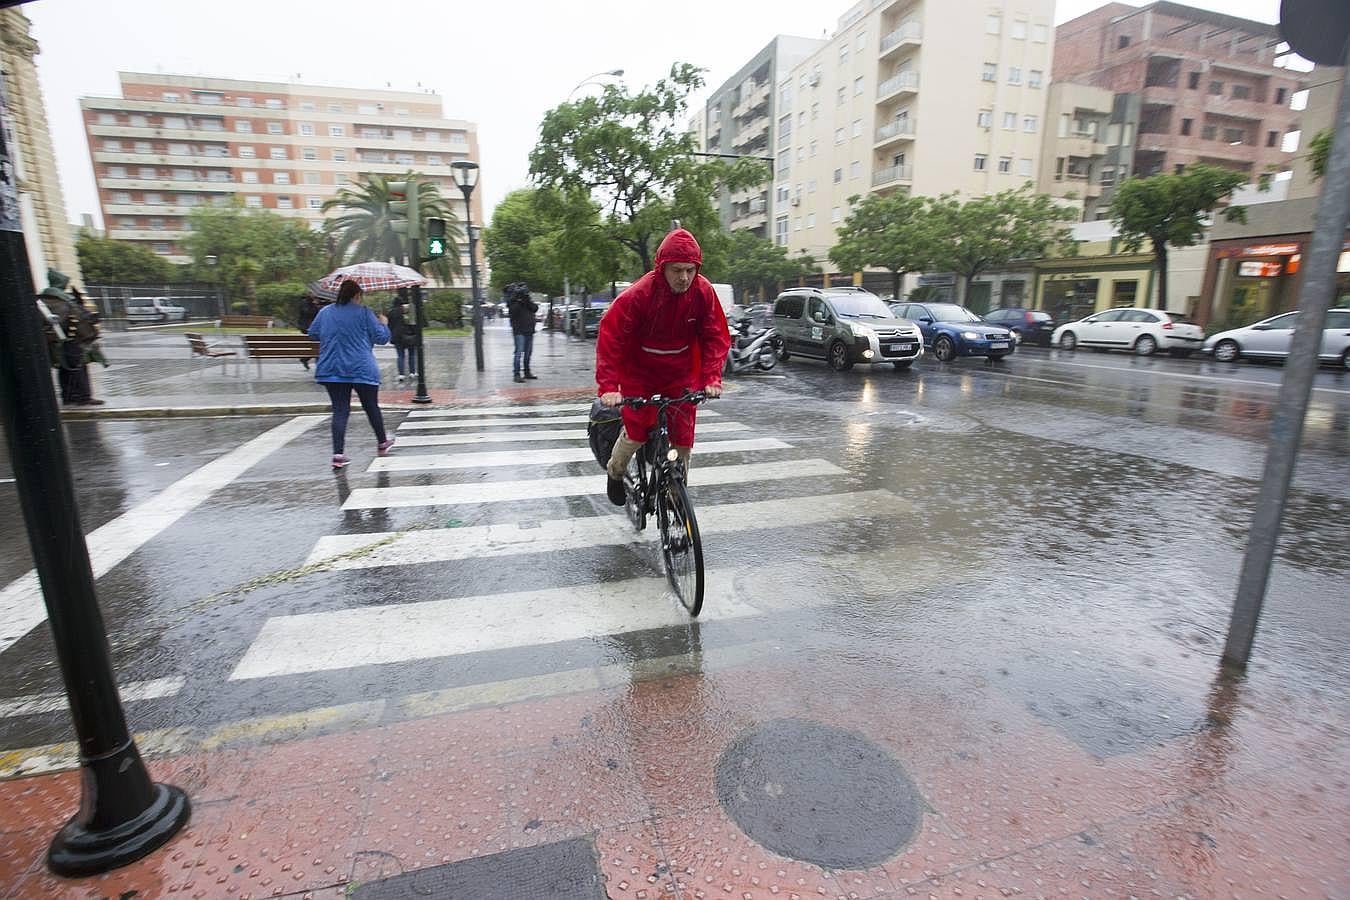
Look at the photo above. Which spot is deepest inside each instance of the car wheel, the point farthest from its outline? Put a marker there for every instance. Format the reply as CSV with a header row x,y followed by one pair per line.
x,y
902,364
1227,351
783,354
1068,341
838,357
944,349
1345,360
1147,345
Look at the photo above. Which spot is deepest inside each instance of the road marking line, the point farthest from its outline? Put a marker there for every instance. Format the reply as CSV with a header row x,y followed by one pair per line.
x,y
345,551
551,434
34,704
59,757
1217,379
500,410
571,486
431,461
288,726
21,606
516,422
431,629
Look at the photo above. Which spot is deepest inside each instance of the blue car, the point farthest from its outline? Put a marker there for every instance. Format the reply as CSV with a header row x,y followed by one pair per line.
x,y
951,331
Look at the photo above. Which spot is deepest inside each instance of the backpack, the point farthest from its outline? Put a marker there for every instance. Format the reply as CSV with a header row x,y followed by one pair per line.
x,y
602,430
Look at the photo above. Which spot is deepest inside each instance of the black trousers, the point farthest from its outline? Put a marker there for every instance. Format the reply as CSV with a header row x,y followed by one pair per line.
x,y
73,374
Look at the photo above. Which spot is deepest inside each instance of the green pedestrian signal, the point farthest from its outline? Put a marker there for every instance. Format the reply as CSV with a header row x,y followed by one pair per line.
x,y
435,238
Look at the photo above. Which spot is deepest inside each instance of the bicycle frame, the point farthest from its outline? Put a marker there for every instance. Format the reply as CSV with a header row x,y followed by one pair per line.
x,y
657,462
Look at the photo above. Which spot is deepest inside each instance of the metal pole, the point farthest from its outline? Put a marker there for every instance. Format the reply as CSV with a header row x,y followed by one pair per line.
x,y
1286,427
419,316
123,815
473,279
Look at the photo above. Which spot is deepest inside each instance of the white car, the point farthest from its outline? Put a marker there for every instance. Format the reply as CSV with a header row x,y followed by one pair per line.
x,y
153,309
1270,339
1141,331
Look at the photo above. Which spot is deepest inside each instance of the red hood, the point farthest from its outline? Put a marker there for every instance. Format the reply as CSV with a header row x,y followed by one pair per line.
x,y
678,247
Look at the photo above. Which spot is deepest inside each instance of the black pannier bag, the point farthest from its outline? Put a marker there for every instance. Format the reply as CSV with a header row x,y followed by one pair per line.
x,y
603,430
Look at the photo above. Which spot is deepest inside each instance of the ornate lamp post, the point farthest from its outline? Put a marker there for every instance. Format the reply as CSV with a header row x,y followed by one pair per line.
x,y
466,176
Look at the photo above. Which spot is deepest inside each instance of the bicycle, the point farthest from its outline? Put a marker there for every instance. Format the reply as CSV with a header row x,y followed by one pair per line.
x,y
654,485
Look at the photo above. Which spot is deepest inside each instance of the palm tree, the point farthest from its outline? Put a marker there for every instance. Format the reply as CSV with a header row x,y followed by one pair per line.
x,y
365,230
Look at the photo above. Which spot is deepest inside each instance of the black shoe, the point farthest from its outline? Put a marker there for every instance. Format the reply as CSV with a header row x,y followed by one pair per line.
x,y
529,377
615,489
518,380
305,363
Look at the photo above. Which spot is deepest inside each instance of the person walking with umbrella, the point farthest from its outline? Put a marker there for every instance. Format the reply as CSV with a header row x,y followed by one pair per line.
x,y
347,332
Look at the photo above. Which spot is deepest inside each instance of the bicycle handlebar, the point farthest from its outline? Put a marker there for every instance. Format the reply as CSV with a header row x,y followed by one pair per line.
x,y
694,397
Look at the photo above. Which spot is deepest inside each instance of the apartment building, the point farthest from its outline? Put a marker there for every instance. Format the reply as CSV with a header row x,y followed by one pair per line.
x,y
739,120
912,95
1078,120
1187,85
171,143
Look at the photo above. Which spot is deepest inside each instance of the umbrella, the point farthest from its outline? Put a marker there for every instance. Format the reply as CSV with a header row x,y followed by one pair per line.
x,y
326,294
373,276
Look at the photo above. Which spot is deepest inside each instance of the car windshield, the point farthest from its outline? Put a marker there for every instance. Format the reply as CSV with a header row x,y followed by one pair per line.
x,y
134,301
1040,317
950,312
860,306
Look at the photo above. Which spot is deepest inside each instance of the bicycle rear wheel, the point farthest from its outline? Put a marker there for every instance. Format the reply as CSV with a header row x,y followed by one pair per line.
x,y
681,546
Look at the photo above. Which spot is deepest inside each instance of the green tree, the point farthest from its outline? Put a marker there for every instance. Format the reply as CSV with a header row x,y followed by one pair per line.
x,y
280,300
1319,151
633,155
241,249
547,239
970,237
365,230
446,307
106,261
888,232
757,267
1173,210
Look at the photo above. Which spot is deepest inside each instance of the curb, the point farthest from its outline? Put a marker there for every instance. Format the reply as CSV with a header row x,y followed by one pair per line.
x,y
177,412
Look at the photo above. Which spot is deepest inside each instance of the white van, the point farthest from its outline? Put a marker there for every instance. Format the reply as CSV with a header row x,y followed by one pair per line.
x,y
726,295
154,309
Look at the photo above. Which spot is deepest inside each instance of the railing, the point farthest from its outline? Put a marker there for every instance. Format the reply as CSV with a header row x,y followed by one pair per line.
x,y
897,128
905,81
892,173
909,32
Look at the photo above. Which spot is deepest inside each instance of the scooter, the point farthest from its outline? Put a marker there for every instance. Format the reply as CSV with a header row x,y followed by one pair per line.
x,y
752,348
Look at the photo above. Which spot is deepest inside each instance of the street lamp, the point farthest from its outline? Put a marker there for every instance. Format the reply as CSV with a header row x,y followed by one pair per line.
x,y
465,173
612,73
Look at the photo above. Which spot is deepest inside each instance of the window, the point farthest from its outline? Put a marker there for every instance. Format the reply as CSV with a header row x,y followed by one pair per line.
x,y
1122,42
154,200
1280,94
1009,121
780,231
183,175
1024,168
144,147
433,159
1242,92
838,175
284,203
782,194
784,127
1014,75
307,129
1004,164
993,24
839,135
107,119
139,121
217,175
1235,135
1040,33
278,153
1178,168
984,118
281,177
1216,88
274,103
839,97
309,153
857,127
216,151
1019,30
243,126
157,223
253,201
434,137
170,97
1209,132
250,176
340,178
811,186
243,101
117,171
246,152
811,220
336,131
314,202
274,128
989,72
843,54
162,248
307,106
835,215
1186,125
813,148
112,146
1029,124
858,86
339,156
1193,80
981,162
784,165
1034,78
815,111
175,122
147,173
860,44
1272,138
797,224
801,118
855,169
122,196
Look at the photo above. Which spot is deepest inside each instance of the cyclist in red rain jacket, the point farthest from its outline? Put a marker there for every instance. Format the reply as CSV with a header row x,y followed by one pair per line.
x,y
664,335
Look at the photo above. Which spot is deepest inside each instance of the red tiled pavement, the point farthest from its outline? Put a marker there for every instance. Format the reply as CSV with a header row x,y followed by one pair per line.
x,y
1012,806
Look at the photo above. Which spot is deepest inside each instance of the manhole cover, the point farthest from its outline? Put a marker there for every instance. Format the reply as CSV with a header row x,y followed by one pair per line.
x,y
818,794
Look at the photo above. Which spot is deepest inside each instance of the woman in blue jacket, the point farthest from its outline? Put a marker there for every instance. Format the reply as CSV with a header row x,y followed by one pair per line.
x,y
347,331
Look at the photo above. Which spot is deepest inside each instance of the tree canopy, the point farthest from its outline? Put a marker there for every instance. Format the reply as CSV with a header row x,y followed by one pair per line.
x,y
1319,152
886,232
106,261
547,238
365,230
1173,210
756,266
252,247
632,154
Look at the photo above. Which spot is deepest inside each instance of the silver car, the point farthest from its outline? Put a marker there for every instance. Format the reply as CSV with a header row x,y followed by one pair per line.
x,y
1270,339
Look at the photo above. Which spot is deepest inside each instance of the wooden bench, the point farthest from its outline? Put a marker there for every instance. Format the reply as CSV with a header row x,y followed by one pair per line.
x,y
199,348
279,346
245,322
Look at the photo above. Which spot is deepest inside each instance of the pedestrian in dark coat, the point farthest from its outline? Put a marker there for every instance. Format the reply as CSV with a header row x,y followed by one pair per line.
x,y
403,334
521,309
304,317
71,332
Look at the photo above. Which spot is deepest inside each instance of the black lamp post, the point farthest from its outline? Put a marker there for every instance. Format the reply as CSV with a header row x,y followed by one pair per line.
x,y
466,176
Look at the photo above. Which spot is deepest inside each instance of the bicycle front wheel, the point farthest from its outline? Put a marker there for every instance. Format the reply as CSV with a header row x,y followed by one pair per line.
x,y
681,546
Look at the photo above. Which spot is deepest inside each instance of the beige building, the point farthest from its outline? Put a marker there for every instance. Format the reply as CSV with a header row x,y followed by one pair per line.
x,y
47,233
912,95
1078,120
1324,93
172,142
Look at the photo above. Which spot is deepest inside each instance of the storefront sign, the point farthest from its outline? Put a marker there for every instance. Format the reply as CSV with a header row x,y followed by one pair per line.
x,y
1271,250
1254,269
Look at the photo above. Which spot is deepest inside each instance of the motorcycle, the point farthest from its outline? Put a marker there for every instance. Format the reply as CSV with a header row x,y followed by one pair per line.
x,y
752,347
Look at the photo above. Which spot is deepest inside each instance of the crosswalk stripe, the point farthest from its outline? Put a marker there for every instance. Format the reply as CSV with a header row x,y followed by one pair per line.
x,y
374,635
551,434
516,422
365,551
431,461
45,703
500,410
572,486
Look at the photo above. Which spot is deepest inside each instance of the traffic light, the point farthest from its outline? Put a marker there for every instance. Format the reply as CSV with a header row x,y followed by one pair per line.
x,y
435,238
403,203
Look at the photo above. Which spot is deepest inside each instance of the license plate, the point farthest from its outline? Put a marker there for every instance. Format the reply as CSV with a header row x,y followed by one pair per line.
x,y
1002,346
896,348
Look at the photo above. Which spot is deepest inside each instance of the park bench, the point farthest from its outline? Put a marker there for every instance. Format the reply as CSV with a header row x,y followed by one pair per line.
x,y
244,322
279,346
199,348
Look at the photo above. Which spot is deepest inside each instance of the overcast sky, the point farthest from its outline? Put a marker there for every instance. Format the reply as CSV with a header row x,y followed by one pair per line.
x,y
500,65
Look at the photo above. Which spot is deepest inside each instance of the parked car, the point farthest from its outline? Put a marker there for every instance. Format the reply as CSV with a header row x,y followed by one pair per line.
x,y
1142,331
140,310
1030,326
843,326
1271,338
950,331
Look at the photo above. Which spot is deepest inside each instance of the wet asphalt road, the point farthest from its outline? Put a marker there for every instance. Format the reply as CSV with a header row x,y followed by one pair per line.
x,y
1064,530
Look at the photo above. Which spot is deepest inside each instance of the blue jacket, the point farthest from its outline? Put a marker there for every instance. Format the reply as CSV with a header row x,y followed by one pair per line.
x,y
346,333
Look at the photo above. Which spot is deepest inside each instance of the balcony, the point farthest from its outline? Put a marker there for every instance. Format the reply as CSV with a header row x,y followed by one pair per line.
x,y
756,97
146,234
1080,143
892,176
904,83
907,35
894,133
